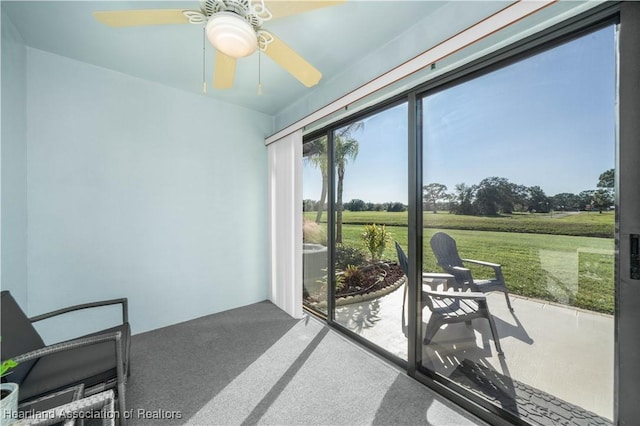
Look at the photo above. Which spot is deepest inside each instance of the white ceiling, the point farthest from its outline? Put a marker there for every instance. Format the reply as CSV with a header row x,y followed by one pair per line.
x,y
333,39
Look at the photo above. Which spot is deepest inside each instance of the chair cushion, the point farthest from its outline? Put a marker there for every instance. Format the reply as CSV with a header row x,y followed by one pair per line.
x,y
91,365
18,337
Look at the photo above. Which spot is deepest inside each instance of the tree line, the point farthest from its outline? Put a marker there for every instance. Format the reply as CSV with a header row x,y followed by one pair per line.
x,y
357,205
496,195
492,196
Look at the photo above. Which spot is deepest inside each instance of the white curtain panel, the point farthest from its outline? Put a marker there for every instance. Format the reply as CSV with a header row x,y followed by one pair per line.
x,y
285,222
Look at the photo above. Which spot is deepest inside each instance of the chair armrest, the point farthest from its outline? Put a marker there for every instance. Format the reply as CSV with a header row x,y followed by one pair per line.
x,y
473,295
483,263
497,268
123,301
437,275
73,344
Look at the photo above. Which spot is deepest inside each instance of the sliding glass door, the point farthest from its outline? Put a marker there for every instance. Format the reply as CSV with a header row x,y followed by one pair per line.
x,y
496,193
519,210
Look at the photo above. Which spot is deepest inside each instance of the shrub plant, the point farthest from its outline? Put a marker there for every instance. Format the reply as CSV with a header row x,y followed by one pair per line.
x,y
349,255
375,240
353,277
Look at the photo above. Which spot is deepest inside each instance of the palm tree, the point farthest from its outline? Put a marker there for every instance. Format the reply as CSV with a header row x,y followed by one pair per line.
x,y
317,156
346,149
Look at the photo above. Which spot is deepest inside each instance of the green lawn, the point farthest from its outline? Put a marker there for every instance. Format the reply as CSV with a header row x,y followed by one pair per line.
x,y
584,224
573,270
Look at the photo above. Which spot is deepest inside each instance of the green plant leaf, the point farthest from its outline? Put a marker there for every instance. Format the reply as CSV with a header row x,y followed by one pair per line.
x,y
6,366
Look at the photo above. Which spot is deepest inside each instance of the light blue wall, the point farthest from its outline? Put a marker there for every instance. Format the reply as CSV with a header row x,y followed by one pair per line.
x,y
140,190
13,199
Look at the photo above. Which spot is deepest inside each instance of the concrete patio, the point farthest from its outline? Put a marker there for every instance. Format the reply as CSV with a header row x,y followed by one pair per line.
x,y
563,351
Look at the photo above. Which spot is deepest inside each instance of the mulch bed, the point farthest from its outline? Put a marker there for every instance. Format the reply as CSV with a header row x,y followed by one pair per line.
x,y
373,278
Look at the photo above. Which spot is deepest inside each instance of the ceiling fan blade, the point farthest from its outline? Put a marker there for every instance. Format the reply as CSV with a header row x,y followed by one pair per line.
x,y
295,64
224,71
133,18
282,8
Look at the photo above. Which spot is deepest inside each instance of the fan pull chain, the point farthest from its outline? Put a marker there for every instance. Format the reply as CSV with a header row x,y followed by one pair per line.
x,y
204,79
259,73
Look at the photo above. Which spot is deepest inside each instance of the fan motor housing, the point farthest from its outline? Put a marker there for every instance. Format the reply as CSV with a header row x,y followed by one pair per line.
x,y
241,8
231,34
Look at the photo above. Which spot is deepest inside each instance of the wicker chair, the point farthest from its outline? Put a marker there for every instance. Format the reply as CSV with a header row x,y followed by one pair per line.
x,y
100,407
449,307
99,360
446,252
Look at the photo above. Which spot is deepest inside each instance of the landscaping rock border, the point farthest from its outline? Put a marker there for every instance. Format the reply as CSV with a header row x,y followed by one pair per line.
x,y
348,300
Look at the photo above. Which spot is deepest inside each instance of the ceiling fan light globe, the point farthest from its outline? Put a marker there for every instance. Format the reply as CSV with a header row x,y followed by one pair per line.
x,y
231,35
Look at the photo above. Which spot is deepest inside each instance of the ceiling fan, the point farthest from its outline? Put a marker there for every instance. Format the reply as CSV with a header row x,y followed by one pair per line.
x,y
234,28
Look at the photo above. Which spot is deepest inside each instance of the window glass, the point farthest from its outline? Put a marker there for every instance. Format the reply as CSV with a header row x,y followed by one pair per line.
x,y
518,171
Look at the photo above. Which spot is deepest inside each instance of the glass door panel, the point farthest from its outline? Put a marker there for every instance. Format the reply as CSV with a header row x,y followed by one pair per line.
x,y
519,211
371,214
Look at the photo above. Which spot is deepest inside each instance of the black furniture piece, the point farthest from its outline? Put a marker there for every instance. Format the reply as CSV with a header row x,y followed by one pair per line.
x,y
99,360
449,307
446,252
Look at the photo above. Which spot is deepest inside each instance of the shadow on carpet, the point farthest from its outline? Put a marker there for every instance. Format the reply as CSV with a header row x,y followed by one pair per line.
x,y
526,402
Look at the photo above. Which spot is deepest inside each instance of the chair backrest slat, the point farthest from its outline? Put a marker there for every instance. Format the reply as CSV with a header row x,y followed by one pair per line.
x,y
402,259
445,249
404,264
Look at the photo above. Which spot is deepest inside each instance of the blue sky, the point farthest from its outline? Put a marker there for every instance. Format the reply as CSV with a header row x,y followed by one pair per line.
x,y
548,120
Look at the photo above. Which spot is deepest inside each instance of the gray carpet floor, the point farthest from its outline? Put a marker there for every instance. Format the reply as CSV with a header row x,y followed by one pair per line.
x,y
256,365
